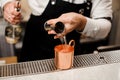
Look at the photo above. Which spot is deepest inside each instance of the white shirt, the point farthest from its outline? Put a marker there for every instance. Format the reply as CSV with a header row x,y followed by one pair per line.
x,y
95,28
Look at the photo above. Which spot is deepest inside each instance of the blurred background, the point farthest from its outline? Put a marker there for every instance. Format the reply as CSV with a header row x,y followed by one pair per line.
x,y
7,50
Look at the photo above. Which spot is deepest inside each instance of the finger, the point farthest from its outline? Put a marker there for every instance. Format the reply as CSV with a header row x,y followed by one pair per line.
x,y
18,17
13,16
59,35
52,22
16,21
12,20
10,17
56,37
7,16
51,32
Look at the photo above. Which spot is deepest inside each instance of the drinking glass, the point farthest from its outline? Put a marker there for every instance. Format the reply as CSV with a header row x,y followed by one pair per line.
x,y
64,55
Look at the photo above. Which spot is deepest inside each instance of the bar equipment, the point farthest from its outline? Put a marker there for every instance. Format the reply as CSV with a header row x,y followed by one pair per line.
x,y
83,66
13,32
64,55
59,28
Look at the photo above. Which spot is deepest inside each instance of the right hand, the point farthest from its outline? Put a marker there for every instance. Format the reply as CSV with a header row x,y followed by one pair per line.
x,y
72,21
10,14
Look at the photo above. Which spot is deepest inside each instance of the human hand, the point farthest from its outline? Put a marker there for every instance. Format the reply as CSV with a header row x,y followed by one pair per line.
x,y
11,12
71,21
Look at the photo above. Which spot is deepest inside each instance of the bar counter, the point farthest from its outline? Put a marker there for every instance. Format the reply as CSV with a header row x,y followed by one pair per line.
x,y
101,66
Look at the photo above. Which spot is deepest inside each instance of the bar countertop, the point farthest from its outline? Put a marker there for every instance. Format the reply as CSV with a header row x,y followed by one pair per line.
x,y
101,66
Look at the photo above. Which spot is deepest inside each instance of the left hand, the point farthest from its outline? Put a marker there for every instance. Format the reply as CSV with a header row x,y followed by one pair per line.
x,y
71,21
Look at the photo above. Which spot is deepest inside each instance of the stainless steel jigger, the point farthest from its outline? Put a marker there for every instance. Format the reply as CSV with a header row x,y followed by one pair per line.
x,y
59,28
13,32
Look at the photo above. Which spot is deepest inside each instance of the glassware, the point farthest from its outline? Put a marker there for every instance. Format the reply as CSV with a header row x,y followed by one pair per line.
x,y
13,32
64,55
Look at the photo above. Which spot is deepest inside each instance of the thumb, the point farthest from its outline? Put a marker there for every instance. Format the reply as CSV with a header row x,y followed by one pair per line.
x,y
52,21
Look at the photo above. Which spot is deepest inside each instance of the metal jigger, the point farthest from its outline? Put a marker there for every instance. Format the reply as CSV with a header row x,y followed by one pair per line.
x,y
13,32
59,28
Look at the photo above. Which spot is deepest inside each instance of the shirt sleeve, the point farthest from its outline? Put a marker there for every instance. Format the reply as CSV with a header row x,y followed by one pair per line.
x,y
3,2
97,27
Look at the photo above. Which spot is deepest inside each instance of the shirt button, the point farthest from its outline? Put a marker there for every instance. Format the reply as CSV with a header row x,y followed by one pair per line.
x,y
88,3
88,8
81,11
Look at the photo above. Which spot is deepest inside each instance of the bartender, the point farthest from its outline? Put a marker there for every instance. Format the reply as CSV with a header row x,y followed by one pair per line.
x,y
90,18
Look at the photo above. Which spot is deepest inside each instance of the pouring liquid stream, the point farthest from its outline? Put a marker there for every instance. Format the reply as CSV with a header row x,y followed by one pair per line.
x,y
59,28
64,43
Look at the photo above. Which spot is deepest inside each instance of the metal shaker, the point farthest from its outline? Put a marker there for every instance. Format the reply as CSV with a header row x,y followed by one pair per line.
x,y
13,32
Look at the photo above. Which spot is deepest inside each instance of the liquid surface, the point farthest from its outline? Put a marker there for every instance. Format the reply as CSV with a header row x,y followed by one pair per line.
x,y
64,48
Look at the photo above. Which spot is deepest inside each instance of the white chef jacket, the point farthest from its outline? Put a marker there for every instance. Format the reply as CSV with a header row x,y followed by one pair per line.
x,y
96,27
